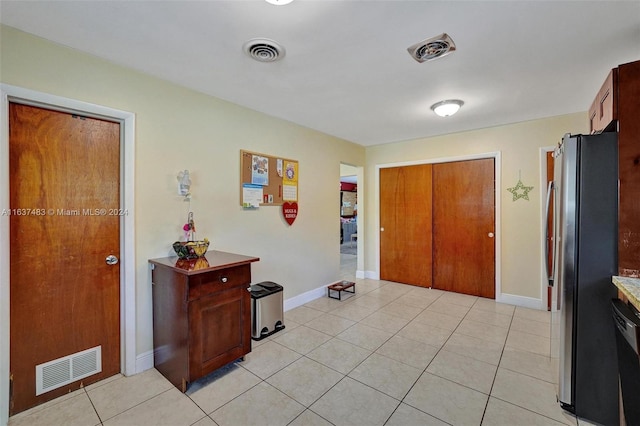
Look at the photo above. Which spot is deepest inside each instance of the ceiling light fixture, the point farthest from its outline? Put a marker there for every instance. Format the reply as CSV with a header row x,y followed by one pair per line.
x,y
447,108
279,2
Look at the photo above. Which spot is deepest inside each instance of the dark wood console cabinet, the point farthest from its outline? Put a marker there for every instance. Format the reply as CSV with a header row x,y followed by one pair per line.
x,y
201,314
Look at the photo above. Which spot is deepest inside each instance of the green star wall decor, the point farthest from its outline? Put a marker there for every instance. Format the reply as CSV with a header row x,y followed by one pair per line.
x,y
520,191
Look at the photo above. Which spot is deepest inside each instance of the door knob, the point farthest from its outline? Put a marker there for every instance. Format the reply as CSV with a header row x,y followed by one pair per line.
x,y
111,260
490,234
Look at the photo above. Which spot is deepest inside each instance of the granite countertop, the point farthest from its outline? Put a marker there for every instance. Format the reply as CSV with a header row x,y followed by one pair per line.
x,y
630,287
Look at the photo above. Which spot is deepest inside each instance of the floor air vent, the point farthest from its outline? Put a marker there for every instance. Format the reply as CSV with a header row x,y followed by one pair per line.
x,y
62,371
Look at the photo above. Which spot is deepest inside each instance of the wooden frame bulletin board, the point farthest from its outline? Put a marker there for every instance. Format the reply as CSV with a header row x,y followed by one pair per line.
x,y
277,177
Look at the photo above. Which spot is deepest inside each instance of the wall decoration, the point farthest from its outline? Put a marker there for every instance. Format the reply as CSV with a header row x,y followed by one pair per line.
x,y
266,180
290,211
520,191
184,185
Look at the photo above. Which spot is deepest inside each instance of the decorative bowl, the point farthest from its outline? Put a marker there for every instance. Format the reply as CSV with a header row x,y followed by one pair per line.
x,y
190,249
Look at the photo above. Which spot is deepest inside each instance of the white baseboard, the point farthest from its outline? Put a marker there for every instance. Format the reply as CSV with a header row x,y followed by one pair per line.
x,y
144,362
360,274
525,302
372,275
303,298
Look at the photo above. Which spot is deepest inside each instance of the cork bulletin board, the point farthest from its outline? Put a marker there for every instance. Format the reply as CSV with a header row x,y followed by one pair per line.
x,y
266,180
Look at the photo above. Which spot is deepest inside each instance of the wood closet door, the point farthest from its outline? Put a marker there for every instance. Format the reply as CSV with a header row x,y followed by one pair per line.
x,y
64,177
405,224
463,227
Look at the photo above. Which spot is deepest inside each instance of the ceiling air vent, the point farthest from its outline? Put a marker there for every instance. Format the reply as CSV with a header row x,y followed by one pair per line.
x,y
435,47
264,50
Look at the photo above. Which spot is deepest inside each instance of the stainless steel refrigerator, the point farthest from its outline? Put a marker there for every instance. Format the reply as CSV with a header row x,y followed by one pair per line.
x,y
584,200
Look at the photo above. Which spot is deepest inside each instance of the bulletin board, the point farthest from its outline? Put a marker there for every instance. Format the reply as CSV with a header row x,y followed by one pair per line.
x,y
273,179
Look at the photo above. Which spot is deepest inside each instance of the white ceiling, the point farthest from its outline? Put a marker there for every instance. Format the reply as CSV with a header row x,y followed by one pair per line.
x,y
346,71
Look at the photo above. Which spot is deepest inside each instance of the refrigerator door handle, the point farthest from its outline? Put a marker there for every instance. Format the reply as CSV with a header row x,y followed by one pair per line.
x,y
550,271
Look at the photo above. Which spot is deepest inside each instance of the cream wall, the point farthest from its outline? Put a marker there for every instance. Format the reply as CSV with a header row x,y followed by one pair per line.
x,y
520,151
180,129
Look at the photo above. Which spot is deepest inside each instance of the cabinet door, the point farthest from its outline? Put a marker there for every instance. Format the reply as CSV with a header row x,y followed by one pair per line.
x,y
219,327
603,110
629,169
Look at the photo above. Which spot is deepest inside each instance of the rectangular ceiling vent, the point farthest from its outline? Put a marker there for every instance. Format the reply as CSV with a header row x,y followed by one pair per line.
x,y
432,48
62,371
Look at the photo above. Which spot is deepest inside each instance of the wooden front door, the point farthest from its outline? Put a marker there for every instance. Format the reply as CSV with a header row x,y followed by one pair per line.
x,y
64,176
405,224
463,227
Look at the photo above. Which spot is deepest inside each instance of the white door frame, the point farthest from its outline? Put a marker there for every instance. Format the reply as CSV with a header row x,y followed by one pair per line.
x,y
127,234
497,217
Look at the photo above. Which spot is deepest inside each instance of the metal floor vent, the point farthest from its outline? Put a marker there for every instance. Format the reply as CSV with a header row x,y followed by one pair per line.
x,y
263,50
435,47
62,371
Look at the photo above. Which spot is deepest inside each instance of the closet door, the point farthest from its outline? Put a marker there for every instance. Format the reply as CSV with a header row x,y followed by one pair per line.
x,y
405,224
463,227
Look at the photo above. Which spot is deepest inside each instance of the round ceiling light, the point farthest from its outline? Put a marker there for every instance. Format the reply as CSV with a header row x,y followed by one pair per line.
x,y
447,108
279,2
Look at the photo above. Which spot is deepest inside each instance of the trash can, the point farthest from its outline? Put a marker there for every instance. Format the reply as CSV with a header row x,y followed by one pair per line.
x,y
266,309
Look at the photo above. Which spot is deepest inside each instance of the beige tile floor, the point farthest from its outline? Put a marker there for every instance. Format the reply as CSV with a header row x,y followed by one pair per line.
x,y
391,354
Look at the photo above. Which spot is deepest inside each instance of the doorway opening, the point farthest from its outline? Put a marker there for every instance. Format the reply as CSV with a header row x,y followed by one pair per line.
x,y
546,173
348,217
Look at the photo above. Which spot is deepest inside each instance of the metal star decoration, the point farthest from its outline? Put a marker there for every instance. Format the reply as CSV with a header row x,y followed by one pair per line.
x,y
520,191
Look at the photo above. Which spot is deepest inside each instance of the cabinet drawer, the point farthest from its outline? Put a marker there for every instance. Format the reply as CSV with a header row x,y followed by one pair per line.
x,y
223,279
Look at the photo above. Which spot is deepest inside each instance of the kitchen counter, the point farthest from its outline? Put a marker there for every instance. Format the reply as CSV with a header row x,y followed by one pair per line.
x,y
630,287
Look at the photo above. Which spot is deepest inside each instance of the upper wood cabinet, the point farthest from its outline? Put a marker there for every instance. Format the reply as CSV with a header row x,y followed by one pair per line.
x,y
628,112
604,108
617,108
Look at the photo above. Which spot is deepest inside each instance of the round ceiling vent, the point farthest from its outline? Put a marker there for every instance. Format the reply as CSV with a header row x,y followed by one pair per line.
x,y
435,47
263,50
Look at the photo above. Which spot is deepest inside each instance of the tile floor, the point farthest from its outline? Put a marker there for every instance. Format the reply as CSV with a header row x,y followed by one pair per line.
x,y
391,354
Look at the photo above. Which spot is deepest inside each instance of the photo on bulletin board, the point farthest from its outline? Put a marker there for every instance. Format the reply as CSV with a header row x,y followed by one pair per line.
x,y
260,170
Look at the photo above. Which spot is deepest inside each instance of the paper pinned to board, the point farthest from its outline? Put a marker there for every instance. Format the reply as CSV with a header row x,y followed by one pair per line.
x,y
251,196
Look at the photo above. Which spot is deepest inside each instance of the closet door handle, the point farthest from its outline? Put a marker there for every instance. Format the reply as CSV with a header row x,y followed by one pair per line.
x,y
490,234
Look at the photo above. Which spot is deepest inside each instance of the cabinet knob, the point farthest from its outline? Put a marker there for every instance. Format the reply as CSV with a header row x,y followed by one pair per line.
x,y
224,279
